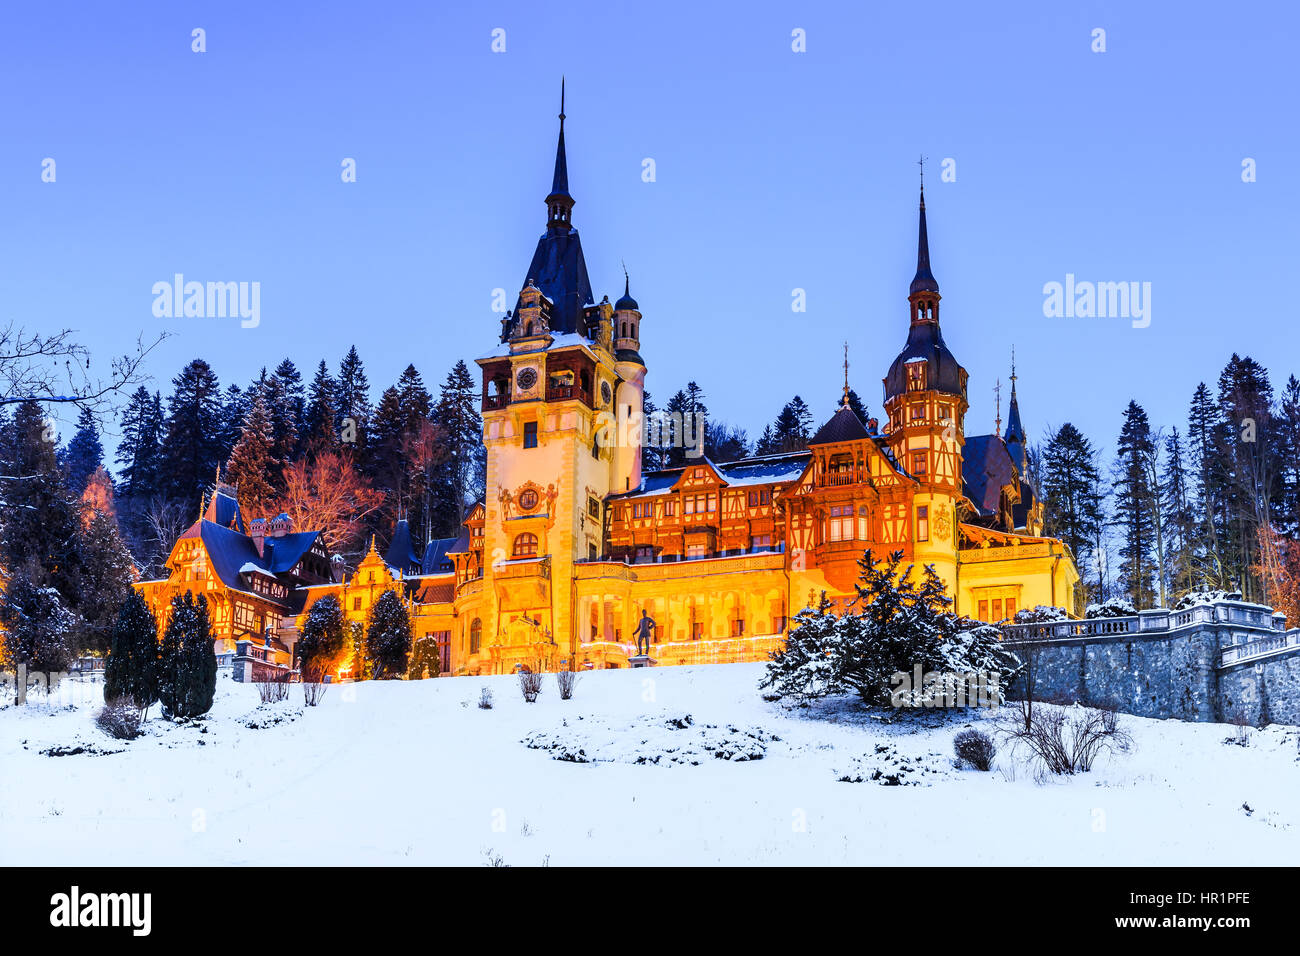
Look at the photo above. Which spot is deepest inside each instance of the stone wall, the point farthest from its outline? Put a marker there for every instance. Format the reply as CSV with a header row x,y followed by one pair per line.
x,y
1165,665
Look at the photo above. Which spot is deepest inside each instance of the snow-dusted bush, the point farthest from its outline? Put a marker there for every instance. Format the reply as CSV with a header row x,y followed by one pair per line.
x,y
119,718
323,643
895,625
1042,614
565,680
1112,607
975,748
272,688
425,659
530,685
1067,740
485,699
1206,596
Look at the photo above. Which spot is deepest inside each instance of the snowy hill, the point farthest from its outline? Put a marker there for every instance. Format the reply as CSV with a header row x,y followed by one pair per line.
x,y
668,766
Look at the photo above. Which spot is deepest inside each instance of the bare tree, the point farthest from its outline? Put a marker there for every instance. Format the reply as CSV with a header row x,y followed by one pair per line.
x,y
55,370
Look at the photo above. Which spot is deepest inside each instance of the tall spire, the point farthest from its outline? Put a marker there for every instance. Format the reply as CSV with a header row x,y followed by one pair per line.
x,y
1015,434
845,403
559,204
924,280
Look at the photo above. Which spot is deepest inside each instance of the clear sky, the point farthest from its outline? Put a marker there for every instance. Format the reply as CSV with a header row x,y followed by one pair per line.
x,y
775,170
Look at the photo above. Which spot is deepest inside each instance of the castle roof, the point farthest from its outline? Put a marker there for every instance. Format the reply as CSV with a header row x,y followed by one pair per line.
x,y
844,425
986,467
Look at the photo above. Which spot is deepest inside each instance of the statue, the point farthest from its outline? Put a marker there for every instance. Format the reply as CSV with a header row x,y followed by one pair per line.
x,y
645,629
507,502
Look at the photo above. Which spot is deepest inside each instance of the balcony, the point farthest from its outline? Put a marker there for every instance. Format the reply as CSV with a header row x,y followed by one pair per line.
x,y
492,402
563,393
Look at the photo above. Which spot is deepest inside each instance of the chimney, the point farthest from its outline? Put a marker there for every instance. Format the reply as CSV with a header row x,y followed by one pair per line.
x,y
257,531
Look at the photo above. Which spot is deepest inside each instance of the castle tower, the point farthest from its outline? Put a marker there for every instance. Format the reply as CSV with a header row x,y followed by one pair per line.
x,y
550,391
630,398
925,399
1015,433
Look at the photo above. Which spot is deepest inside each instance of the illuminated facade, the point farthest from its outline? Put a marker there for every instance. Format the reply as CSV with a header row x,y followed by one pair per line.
x,y
575,540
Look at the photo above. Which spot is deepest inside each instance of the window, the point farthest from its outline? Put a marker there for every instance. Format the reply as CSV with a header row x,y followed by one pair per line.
x,y
591,552
916,377
530,434
593,507
923,523
696,551
983,610
918,463
645,553
760,542
697,630
475,635
841,523
1011,607
356,604
670,508
758,498
738,627
525,545
918,412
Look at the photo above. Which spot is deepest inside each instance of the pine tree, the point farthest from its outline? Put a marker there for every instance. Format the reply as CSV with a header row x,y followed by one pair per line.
x,y
253,466
36,621
320,425
132,667
85,453
187,682
139,450
767,443
352,402
723,442
192,446
1179,517
1250,450
1134,514
461,479
323,641
1204,438
388,636
106,571
234,407
793,427
285,403
855,404
1071,506
40,519
1288,431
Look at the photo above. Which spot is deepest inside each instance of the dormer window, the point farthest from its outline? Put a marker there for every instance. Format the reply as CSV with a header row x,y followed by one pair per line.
x,y
916,377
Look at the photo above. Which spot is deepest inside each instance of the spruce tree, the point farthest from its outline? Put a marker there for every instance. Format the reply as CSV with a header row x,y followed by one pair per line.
x,y
1134,512
187,682
388,636
459,481
1071,507
323,641
40,519
192,446
320,424
36,622
85,453
106,571
793,426
132,667
352,403
139,450
252,464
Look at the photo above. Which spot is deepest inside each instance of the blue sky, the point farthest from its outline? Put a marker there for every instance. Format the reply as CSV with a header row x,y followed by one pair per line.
x,y
775,170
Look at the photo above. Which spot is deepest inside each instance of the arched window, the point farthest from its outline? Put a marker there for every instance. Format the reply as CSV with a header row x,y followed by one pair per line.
x,y
525,545
475,635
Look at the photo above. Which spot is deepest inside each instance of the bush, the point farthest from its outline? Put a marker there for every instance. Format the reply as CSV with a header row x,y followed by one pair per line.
x,y
1114,607
272,688
895,625
424,660
485,699
975,748
1066,739
1042,614
530,685
565,680
120,718
313,691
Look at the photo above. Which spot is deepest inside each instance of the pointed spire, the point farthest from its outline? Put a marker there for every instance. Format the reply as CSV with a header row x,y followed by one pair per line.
x,y
560,182
845,403
559,204
1015,433
924,280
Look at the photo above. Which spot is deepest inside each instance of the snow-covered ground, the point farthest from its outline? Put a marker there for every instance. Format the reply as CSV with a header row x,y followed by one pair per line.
x,y
669,766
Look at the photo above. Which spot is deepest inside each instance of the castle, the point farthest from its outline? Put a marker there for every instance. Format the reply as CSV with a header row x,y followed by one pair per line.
x,y
575,539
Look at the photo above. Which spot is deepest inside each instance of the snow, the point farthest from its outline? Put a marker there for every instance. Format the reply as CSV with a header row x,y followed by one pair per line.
x,y
685,765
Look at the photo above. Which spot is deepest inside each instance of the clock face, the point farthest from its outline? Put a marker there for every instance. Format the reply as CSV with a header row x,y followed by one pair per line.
x,y
605,393
528,499
526,378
